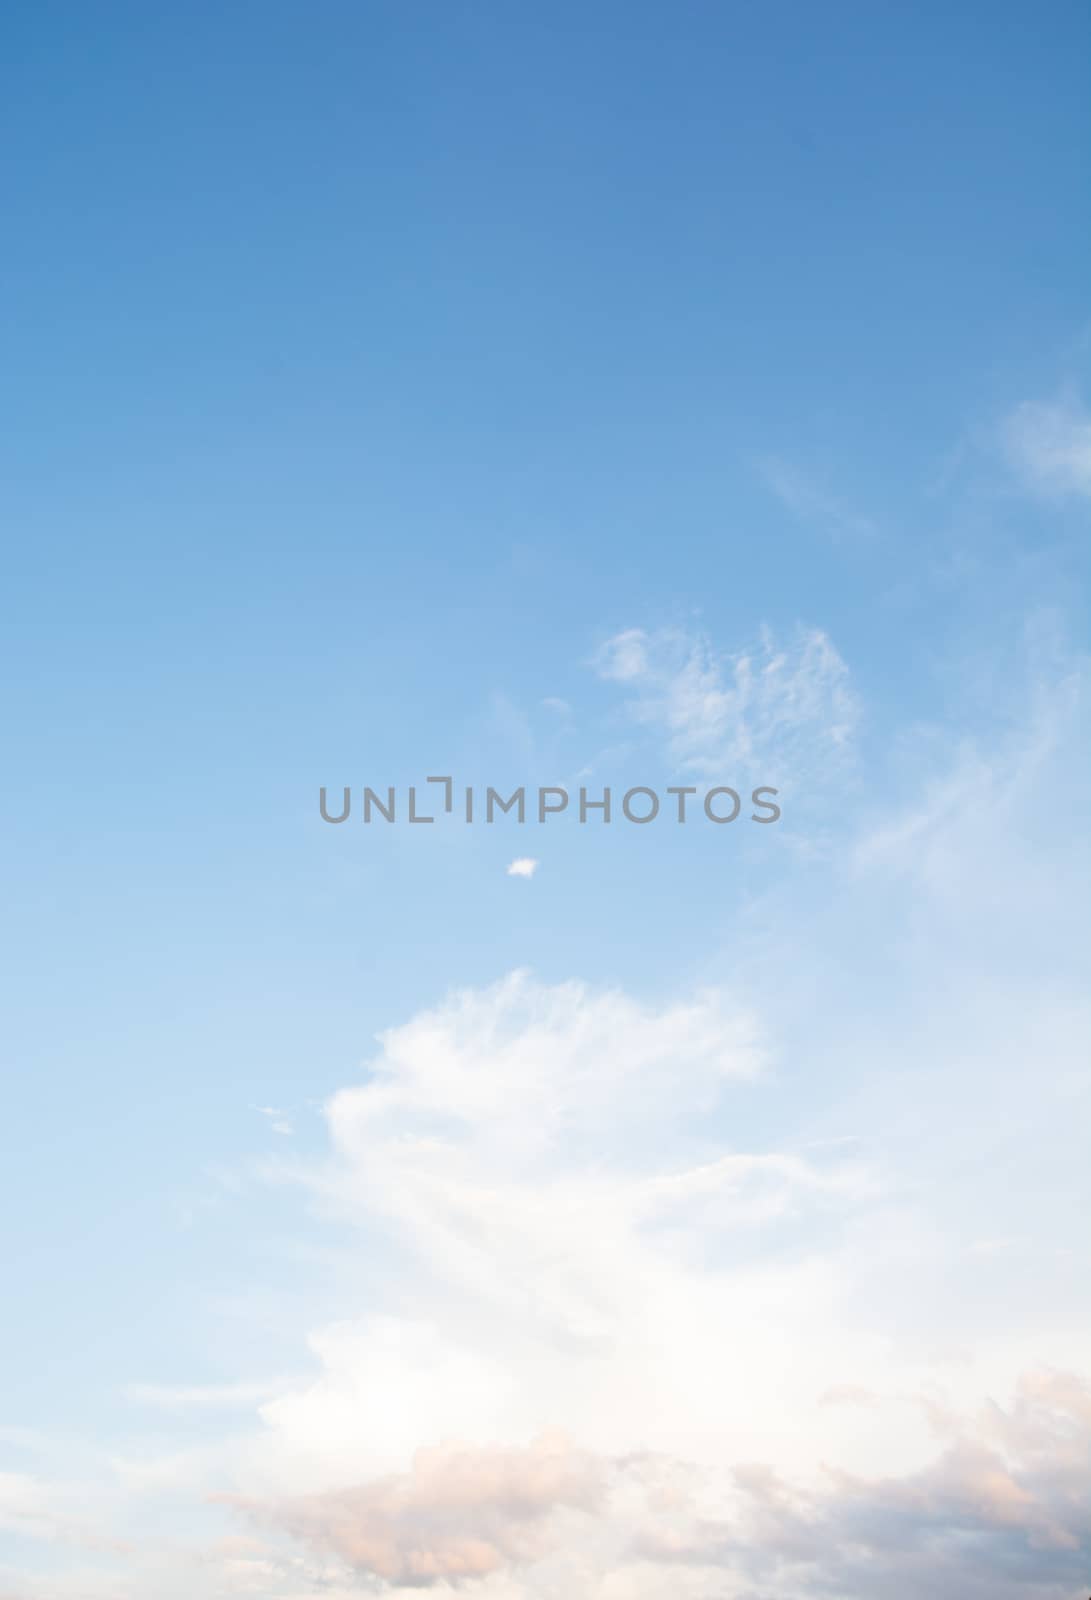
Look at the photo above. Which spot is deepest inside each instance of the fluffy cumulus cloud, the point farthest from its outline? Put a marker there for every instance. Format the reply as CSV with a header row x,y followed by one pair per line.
x,y
540,1157
769,1361
778,711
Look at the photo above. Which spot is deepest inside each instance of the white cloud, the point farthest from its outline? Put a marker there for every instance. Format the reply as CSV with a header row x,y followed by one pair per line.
x,y
523,867
767,1355
543,1159
1049,445
769,1352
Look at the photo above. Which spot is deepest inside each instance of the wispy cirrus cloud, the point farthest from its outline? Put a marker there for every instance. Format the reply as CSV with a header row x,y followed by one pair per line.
x,y
810,502
203,1398
777,710
1049,445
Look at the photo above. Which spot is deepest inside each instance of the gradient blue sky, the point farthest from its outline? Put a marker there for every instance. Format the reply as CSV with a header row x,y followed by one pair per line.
x,y
366,369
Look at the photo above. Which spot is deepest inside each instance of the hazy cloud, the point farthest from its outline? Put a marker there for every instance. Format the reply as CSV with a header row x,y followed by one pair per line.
x,y
1049,445
810,502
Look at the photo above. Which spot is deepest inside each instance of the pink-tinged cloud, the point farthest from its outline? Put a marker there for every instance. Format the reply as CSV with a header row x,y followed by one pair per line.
x,y
461,1512
1000,1512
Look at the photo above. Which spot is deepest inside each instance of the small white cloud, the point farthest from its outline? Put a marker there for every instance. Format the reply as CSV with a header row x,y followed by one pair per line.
x,y
523,867
554,703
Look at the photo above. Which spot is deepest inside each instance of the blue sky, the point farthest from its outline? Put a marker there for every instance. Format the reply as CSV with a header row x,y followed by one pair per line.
x,y
370,372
